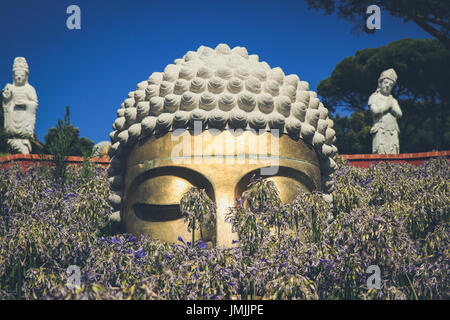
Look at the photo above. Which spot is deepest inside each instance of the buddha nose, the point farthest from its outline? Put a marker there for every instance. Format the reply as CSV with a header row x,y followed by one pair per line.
x,y
224,202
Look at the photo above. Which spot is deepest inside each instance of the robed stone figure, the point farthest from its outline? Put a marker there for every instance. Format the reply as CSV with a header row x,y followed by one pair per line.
x,y
386,111
19,102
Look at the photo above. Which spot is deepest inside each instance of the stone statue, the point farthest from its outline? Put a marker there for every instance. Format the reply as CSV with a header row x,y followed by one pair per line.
x,y
101,149
19,106
242,108
385,110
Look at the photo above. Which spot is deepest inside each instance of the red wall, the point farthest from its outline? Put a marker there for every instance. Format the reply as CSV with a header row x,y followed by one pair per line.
x,y
357,160
27,160
365,160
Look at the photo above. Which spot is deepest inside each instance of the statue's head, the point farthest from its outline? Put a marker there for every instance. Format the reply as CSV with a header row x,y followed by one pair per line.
x,y
213,120
386,81
20,71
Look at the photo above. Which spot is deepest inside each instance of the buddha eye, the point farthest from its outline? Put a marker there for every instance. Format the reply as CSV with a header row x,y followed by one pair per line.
x,y
288,188
157,198
289,185
156,212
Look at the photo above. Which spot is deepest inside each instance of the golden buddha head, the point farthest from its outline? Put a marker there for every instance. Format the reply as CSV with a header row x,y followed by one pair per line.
x,y
212,120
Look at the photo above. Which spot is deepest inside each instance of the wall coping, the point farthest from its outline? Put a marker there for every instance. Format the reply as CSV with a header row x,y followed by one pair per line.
x,y
37,157
420,155
351,157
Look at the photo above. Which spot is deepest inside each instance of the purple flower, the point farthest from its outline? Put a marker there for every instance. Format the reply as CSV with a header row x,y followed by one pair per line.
x,y
201,245
115,240
130,238
226,270
167,256
140,253
69,195
180,239
323,260
252,270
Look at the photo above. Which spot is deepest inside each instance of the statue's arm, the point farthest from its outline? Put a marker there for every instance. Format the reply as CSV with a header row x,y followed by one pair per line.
x,y
376,107
33,102
396,109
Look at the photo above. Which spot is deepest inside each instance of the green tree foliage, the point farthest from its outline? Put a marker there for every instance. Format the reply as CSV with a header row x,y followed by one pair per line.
x,y
4,136
417,131
62,142
64,139
431,15
423,67
353,133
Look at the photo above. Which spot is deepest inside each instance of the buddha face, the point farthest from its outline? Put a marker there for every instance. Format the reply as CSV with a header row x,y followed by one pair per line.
x,y
20,77
161,169
386,86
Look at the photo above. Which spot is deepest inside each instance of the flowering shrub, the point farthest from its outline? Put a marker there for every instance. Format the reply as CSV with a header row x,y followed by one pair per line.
x,y
393,216
43,223
198,210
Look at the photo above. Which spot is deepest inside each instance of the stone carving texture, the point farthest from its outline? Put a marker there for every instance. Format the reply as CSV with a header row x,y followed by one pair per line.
x,y
386,110
19,106
224,88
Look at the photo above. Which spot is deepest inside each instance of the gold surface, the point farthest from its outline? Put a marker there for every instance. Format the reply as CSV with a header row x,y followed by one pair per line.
x,y
104,151
160,169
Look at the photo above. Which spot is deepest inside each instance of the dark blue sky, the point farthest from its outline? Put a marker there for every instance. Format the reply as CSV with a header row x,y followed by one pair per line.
x,y
122,42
